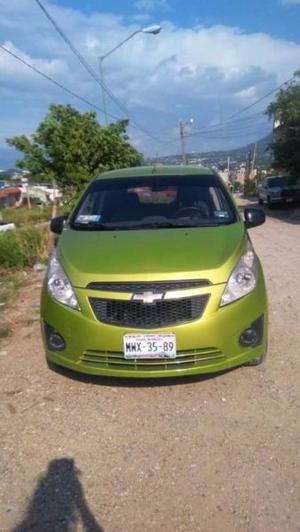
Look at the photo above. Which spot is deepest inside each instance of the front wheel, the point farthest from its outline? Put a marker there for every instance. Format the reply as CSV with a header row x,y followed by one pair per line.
x,y
269,203
260,201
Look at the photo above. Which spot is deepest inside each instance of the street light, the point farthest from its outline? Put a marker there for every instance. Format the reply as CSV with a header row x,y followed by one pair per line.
x,y
154,30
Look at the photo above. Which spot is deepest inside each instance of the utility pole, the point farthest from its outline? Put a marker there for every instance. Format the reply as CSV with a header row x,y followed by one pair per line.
x,y
28,195
54,206
228,167
253,161
182,142
182,125
248,166
100,59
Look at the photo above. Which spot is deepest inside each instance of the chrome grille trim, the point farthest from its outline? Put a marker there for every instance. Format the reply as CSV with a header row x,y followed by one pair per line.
x,y
152,286
184,359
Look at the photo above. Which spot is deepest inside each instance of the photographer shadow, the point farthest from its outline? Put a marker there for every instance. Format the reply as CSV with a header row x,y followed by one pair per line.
x,y
58,503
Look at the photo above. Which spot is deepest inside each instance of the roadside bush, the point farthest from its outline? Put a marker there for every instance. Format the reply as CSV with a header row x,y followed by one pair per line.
x,y
23,247
236,186
24,216
30,243
250,188
10,252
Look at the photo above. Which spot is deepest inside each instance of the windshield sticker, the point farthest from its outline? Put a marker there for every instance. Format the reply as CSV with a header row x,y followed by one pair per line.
x,y
88,218
222,214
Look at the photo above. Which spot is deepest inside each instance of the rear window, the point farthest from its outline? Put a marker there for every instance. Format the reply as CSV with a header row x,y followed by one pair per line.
x,y
154,202
276,182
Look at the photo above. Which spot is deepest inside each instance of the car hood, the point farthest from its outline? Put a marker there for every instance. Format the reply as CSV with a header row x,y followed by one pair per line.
x,y
159,254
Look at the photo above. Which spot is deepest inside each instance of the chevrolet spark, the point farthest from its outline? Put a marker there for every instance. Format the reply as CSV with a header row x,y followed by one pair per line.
x,y
154,275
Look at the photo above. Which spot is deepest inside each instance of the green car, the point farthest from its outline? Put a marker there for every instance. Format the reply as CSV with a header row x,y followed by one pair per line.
x,y
154,275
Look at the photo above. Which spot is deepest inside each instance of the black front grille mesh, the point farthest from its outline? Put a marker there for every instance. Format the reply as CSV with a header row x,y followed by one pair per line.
x,y
152,286
148,316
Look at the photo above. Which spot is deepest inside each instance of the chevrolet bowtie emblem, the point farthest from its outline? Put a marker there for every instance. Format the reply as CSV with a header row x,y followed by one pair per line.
x,y
148,297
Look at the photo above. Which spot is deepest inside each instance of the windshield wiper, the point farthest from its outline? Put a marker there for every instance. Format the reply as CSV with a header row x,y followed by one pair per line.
x,y
92,227
163,224
155,225
171,224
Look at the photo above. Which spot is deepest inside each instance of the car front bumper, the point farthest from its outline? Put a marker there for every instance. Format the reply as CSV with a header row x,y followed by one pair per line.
x,y
276,199
207,345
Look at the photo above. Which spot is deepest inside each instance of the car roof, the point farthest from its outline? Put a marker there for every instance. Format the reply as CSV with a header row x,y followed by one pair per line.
x,y
146,171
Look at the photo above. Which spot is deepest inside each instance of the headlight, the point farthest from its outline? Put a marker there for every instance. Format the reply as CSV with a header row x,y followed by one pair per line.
x,y
243,278
59,286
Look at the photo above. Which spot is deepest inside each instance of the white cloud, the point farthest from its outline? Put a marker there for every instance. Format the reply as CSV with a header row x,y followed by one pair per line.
x,y
286,2
151,5
204,72
10,68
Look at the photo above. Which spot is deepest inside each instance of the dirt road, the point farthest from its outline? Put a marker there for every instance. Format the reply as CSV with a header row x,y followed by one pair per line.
x,y
216,454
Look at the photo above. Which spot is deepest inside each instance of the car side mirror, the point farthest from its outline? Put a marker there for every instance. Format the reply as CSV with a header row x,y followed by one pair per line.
x,y
57,224
254,217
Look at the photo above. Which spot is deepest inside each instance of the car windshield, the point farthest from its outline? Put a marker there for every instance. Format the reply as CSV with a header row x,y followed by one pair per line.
x,y
276,182
154,202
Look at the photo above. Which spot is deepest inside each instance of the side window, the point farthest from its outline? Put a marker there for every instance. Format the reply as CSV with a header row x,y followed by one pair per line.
x,y
89,205
218,199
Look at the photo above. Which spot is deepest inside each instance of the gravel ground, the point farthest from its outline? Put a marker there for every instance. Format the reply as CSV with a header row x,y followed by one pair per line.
x,y
211,454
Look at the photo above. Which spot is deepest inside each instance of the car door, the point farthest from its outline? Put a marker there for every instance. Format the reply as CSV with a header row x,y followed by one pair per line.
x,y
263,190
267,189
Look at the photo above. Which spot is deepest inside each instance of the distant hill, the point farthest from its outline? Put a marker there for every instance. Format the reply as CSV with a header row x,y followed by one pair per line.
x,y
219,158
262,152
8,156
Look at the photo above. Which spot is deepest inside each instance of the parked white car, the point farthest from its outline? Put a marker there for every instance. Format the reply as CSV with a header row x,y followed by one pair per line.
x,y
276,189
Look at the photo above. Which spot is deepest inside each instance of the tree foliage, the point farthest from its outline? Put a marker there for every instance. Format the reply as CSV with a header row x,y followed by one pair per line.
x,y
72,147
286,144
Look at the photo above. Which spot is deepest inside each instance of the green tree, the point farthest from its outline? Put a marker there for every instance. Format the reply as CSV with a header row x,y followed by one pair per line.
x,y
286,143
72,148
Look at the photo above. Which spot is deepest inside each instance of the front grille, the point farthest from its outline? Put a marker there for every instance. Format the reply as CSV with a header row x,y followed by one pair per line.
x,y
148,316
152,286
184,360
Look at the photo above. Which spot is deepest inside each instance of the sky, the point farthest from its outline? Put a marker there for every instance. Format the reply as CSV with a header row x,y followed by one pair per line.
x,y
210,61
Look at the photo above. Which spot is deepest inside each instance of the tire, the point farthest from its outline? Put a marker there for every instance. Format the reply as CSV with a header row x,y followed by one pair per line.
x,y
51,365
270,205
260,201
257,361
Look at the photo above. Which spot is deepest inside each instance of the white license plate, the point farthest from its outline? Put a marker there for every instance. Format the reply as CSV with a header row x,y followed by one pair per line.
x,y
139,346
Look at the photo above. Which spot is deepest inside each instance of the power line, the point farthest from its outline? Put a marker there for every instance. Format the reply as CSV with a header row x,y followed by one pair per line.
x,y
262,98
222,126
229,124
222,132
226,124
94,74
60,85
233,135
82,60
52,80
236,124
244,109
235,128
